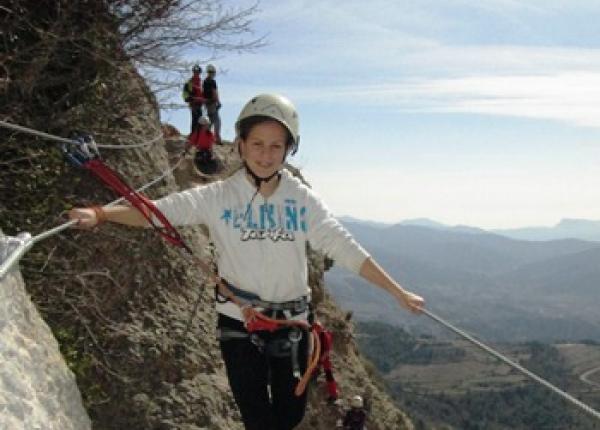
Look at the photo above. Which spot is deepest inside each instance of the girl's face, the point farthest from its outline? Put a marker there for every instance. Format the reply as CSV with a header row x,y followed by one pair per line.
x,y
264,148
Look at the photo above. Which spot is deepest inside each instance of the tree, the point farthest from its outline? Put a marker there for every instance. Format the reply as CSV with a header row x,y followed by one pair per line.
x,y
72,41
157,35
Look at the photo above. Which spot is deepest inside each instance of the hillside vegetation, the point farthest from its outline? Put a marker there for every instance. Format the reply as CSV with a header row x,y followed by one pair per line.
x,y
453,385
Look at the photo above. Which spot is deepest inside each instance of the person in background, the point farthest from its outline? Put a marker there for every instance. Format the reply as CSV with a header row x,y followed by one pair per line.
x,y
326,339
192,95
356,416
213,103
203,140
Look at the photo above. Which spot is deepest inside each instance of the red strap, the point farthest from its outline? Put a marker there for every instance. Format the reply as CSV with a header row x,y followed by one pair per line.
x,y
255,321
260,324
332,389
137,200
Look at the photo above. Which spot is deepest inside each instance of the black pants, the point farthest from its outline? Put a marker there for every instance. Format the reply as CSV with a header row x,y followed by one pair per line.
x,y
250,372
215,120
196,110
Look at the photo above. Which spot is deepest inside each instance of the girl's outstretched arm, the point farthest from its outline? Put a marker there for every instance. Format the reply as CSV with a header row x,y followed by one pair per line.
x,y
373,273
121,214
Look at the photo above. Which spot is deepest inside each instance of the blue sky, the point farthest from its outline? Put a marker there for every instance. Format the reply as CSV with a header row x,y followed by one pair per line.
x,y
485,113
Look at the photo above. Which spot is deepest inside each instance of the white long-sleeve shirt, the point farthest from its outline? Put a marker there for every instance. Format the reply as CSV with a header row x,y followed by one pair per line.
x,y
261,248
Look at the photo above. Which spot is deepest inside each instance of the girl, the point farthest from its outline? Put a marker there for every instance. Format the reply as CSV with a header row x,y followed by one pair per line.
x,y
260,220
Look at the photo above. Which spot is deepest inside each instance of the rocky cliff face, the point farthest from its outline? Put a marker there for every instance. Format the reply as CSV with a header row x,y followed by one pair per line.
x,y
37,389
133,316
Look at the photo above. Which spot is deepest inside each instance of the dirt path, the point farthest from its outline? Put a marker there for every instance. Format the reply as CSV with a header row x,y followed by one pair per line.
x,y
584,377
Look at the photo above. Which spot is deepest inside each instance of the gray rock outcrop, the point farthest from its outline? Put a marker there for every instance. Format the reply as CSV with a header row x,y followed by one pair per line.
x,y
37,388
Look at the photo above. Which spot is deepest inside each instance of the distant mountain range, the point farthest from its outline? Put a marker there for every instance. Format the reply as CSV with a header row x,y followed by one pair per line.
x,y
496,286
565,229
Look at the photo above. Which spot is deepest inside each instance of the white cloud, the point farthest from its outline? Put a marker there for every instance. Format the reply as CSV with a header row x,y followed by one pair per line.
x,y
570,97
402,56
327,39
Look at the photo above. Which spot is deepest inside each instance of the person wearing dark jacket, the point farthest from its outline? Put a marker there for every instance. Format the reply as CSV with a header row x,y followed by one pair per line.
x,y
212,101
356,417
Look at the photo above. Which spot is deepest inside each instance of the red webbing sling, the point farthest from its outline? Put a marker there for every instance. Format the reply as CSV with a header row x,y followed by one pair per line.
x,y
83,152
137,200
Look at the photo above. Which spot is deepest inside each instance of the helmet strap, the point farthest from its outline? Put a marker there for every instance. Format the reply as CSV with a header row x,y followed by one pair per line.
x,y
259,180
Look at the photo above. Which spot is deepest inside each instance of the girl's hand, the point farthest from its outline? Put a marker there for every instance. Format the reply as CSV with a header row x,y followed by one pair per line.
x,y
411,301
86,217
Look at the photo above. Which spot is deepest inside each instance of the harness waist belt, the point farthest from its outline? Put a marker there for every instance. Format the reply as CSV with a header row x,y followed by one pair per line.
x,y
298,306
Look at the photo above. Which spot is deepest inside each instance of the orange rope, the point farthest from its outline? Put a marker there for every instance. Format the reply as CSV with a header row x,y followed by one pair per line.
x,y
313,363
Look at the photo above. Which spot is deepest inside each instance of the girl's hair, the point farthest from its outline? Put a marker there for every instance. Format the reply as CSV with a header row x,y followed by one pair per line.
x,y
246,125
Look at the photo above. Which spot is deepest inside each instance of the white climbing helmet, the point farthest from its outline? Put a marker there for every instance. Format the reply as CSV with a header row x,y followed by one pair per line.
x,y
357,402
276,107
203,120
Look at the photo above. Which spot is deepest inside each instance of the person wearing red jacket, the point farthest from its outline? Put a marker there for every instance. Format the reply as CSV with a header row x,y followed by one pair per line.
x,y
203,140
192,95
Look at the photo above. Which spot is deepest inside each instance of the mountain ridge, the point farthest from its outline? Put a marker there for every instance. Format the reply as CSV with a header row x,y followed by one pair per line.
x,y
566,228
485,282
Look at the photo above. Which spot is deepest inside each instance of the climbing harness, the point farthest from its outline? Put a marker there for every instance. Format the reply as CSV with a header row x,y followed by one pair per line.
x,y
262,329
227,292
